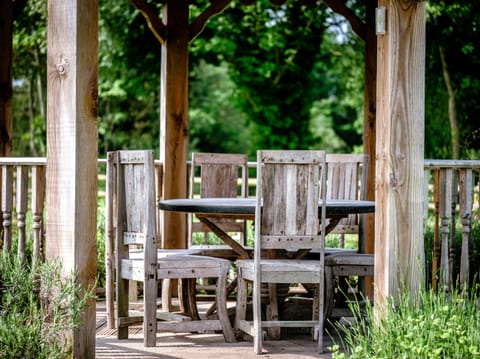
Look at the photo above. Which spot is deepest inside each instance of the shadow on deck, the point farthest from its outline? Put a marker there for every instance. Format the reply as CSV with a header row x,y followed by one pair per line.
x,y
197,346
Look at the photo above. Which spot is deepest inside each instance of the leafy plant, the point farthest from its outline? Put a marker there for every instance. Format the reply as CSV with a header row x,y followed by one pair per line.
x,y
439,326
37,309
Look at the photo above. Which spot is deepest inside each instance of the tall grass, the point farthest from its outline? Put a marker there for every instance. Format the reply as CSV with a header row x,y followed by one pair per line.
x,y
439,326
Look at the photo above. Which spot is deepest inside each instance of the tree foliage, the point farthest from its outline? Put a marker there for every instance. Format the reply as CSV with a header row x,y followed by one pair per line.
x,y
129,73
453,27
271,52
261,76
29,72
215,125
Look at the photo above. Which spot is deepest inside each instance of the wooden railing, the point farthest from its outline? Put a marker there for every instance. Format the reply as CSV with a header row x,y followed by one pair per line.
x,y
452,193
22,198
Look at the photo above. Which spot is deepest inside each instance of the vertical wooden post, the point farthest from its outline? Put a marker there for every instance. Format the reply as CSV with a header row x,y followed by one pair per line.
x,y
174,118
6,91
399,253
369,127
72,139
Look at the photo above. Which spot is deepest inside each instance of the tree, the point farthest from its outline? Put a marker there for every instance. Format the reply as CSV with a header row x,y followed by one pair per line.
x,y
30,89
271,52
129,72
453,84
215,125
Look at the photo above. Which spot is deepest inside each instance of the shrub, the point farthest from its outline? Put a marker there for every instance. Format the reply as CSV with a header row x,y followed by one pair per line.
x,y
440,326
36,309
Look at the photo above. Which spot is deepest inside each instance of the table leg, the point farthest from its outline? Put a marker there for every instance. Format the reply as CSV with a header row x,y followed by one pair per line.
x,y
237,247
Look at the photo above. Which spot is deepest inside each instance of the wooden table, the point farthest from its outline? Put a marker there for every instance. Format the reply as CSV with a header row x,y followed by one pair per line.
x,y
207,209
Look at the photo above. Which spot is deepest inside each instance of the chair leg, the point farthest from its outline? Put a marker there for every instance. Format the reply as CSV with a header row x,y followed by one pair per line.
x,y
230,289
166,295
321,311
257,317
221,295
150,312
189,297
122,307
329,291
241,309
272,311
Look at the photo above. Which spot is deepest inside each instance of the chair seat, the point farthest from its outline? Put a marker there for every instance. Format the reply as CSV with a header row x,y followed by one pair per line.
x,y
220,251
177,266
342,265
354,259
282,271
162,253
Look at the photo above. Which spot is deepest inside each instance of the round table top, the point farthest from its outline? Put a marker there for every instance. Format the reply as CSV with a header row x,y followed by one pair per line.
x,y
246,206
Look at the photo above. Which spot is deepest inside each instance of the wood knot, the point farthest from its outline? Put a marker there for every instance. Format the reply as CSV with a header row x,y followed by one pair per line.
x,y
393,181
62,67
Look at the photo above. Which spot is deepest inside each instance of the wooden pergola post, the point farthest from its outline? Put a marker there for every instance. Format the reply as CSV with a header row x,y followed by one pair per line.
x,y
369,127
6,91
174,117
72,139
399,249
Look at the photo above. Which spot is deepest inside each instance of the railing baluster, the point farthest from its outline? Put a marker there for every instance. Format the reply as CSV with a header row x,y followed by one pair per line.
x,y
466,203
436,236
38,199
21,197
455,182
7,204
453,226
445,205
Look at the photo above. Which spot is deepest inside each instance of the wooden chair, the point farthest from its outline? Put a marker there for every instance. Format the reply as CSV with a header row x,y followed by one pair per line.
x,y
139,259
347,179
287,219
219,175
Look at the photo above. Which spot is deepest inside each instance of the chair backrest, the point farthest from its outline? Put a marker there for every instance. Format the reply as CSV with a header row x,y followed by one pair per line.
x,y
347,179
134,209
289,184
219,175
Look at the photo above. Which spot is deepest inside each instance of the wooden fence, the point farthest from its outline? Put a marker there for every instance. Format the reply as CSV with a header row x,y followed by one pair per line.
x,y
453,195
22,182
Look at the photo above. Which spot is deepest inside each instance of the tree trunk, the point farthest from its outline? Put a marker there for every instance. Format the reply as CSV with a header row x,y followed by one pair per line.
x,y
452,107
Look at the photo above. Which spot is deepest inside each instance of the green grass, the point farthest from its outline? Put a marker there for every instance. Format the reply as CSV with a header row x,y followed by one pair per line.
x,y
438,326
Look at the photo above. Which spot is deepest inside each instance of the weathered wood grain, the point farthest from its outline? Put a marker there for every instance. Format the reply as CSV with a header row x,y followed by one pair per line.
x,y
71,188
399,149
174,119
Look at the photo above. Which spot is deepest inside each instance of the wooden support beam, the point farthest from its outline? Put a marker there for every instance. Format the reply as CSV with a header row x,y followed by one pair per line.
x,y
174,118
6,91
399,249
72,139
369,128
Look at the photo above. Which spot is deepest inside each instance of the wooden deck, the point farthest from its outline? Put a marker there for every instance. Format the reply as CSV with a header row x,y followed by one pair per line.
x,y
196,346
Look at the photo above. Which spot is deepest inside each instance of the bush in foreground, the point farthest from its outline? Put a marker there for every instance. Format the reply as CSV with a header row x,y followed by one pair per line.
x,y
37,309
